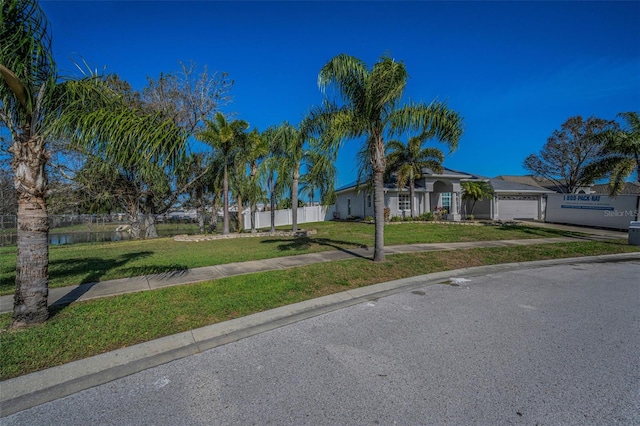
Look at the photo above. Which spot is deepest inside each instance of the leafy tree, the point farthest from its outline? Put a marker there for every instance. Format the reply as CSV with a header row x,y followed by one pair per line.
x,y
565,156
620,154
198,169
224,136
36,106
476,191
408,160
372,110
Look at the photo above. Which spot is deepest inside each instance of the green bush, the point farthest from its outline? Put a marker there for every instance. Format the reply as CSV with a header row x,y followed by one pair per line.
x,y
368,219
428,216
396,219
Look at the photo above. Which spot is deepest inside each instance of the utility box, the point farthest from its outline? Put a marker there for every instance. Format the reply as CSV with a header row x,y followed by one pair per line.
x,y
634,233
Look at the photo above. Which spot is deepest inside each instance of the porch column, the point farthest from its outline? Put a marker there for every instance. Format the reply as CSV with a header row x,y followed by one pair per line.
x,y
454,215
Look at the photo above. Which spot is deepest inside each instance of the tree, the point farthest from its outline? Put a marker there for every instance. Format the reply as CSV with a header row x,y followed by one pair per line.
x,y
224,136
147,189
620,154
320,175
291,141
198,169
408,160
476,191
8,201
37,106
371,110
256,152
567,153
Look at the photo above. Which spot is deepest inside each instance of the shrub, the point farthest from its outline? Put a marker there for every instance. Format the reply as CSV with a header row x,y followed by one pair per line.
x,y
387,214
470,217
368,219
429,216
396,219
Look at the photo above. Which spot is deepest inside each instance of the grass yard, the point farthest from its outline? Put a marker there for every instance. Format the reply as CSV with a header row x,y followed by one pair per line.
x,y
88,328
84,263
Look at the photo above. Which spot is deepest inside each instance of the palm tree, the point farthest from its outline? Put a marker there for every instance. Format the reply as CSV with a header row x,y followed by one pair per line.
x,y
371,110
408,160
620,154
320,175
291,141
257,150
476,191
224,137
37,106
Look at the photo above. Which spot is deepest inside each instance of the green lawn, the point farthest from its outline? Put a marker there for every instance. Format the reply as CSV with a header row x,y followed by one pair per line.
x,y
84,263
88,328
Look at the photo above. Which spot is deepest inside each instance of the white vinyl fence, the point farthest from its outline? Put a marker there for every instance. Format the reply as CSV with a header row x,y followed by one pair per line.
x,y
592,210
284,217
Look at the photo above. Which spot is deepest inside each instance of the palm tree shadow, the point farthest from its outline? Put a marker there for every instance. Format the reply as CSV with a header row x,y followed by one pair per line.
x,y
305,243
95,268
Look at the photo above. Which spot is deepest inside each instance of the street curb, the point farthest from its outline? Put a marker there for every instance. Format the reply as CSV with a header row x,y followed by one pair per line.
x,y
33,389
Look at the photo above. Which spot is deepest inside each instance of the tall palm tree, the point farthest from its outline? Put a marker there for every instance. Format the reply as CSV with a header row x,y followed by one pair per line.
x,y
36,106
408,160
620,154
291,141
372,110
224,136
476,191
257,150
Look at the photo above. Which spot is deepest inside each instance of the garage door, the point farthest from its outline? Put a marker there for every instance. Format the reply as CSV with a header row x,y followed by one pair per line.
x,y
517,207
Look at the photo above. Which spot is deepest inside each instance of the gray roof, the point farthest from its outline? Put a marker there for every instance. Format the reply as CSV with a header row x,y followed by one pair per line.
x,y
500,185
629,188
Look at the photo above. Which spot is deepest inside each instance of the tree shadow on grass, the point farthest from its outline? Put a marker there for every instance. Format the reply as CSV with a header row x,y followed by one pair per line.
x,y
305,243
541,232
91,269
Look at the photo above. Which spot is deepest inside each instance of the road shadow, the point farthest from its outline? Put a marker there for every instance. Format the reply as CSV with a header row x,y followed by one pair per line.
x,y
305,243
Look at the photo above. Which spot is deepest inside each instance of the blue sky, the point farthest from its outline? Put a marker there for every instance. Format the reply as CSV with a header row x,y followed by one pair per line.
x,y
514,70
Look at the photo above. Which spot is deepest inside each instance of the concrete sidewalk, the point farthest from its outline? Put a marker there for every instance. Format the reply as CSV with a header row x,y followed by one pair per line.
x,y
70,294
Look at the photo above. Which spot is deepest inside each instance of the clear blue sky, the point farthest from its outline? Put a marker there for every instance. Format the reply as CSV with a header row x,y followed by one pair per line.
x,y
514,70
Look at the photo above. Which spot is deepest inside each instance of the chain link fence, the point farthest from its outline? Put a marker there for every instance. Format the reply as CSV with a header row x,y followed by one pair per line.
x,y
69,229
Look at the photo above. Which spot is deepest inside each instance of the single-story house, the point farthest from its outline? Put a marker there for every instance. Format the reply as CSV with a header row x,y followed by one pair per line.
x,y
435,191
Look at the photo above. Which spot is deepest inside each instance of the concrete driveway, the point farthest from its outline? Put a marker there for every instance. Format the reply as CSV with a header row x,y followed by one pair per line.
x,y
551,345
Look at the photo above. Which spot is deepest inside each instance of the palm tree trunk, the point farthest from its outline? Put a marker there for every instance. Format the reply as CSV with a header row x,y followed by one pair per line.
x,y
32,271
378,210
412,192
273,203
240,226
225,202
294,198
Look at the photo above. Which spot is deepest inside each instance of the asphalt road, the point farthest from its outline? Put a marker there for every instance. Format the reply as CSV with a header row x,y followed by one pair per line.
x,y
550,346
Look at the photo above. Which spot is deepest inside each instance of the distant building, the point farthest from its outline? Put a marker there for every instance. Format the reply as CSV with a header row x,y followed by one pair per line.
x,y
437,191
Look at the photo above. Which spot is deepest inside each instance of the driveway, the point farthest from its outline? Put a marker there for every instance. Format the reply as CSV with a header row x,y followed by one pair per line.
x,y
552,345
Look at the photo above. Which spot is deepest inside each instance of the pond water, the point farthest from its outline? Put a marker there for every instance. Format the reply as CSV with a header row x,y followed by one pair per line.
x,y
83,237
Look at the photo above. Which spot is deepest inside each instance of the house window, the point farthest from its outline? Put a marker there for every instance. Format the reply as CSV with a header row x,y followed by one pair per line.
x,y
403,202
446,200
369,200
348,206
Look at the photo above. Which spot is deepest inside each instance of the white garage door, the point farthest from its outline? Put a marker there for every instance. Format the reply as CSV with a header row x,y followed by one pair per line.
x,y
512,207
